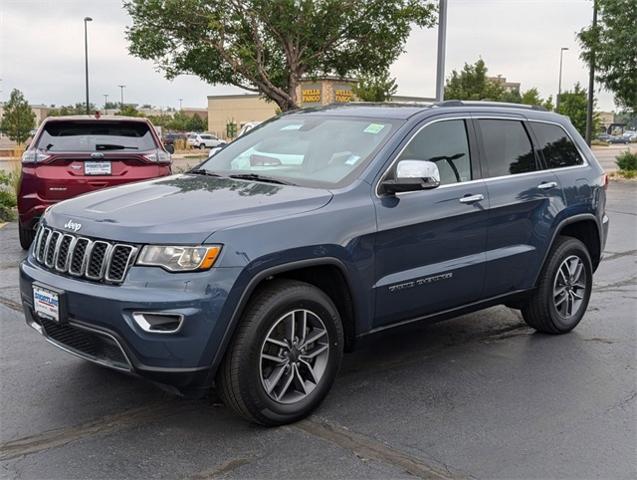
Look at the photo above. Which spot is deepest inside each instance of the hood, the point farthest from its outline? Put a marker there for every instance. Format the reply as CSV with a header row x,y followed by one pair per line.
x,y
180,209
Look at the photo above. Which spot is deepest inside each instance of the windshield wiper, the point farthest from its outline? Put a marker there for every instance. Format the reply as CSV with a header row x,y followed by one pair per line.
x,y
259,178
203,171
112,146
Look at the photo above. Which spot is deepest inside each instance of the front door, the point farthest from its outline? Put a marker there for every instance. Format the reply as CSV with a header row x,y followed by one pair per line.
x,y
430,244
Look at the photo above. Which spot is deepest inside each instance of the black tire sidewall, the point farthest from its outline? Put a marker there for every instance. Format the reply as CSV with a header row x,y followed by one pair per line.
x,y
568,248
309,298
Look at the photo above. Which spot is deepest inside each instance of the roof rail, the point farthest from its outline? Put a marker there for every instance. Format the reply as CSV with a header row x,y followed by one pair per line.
x,y
486,103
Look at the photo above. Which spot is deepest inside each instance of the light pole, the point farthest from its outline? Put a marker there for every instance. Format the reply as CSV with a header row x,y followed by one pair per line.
x,y
442,40
180,100
86,20
105,102
559,82
591,82
121,95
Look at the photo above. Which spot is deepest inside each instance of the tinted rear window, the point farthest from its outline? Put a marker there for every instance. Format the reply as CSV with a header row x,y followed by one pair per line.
x,y
556,147
507,147
86,136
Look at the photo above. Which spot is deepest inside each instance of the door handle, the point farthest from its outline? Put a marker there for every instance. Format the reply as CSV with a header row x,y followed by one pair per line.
x,y
547,185
471,198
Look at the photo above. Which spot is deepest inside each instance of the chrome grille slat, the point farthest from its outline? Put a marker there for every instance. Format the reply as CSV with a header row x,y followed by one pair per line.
x,y
95,260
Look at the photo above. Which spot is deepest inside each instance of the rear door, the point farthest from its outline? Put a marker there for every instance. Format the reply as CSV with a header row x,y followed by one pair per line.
x,y
430,244
524,200
86,155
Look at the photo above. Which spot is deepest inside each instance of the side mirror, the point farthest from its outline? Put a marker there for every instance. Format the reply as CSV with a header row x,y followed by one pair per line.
x,y
412,175
170,148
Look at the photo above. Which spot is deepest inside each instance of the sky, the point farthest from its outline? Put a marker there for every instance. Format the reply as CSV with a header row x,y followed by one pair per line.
x,y
42,51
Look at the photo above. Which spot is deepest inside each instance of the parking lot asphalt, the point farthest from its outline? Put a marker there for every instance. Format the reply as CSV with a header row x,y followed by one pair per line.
x,y
479,396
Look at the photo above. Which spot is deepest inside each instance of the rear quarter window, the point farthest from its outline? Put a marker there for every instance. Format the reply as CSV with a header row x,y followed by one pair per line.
x,y
555,146
99,135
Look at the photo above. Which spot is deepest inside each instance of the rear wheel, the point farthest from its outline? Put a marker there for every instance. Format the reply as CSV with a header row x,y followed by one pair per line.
x,y
202,146
284,356
26,235
564,289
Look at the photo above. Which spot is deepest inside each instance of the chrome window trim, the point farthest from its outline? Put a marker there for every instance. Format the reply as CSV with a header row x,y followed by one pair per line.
x,y
488,179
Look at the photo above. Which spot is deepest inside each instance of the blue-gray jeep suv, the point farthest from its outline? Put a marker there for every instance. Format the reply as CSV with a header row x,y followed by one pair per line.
x,y
254,272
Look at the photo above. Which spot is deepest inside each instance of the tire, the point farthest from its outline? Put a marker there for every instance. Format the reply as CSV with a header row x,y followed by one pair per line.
x,y
26,235
242,380
555,306
202,146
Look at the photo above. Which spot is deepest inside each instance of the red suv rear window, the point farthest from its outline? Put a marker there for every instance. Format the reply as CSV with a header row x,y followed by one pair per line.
x,y
99,135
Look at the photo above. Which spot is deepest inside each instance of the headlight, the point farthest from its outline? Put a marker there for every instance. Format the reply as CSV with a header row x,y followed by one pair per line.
x,y
179,258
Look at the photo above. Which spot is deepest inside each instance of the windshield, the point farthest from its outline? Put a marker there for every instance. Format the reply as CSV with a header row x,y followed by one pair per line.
x,y
99,135
308,150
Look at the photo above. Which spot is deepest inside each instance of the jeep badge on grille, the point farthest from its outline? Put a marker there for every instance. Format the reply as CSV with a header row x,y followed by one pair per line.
x,y
71,225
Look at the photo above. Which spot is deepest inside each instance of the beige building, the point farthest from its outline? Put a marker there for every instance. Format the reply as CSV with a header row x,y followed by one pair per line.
x,y
507,86
244,108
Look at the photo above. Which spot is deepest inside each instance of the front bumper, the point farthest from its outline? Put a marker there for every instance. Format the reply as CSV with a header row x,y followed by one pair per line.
x,y
98,324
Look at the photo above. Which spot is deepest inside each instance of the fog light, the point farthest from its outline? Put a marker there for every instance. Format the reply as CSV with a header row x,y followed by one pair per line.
x,y
157,322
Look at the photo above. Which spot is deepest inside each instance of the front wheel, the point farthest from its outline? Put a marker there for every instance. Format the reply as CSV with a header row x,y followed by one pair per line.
x,y
564,288
284,356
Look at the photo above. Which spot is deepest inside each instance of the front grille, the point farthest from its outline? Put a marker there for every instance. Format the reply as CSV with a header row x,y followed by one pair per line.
x,y
96,260
86,343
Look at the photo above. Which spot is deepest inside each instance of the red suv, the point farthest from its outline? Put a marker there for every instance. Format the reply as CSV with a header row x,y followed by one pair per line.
x,y
78,154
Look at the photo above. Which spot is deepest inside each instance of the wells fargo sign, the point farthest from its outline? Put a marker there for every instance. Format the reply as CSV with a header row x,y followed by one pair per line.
x,y
343,95
311,95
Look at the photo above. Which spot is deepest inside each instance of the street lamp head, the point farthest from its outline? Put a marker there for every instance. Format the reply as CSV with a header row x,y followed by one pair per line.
x,y
88,19
564,48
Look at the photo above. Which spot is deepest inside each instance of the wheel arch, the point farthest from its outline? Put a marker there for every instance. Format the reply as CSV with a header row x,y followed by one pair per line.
x,y
320,272
586,228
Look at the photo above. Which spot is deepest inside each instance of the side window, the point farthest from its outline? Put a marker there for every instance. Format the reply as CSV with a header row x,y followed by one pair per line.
x,y
446,144
507,147
556,147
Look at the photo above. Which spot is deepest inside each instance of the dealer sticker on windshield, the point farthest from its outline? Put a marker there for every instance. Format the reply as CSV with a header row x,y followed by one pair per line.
x,y
374,128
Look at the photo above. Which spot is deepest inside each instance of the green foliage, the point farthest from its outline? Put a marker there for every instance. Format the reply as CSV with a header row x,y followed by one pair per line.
x,y
267,46
532,97
627,161
77,109
614,45
112,105
7,197
129,111
573,105
375,87
197,124
18,119
472,84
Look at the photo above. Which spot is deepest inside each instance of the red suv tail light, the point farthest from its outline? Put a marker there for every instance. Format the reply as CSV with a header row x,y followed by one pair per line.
x,y
158,156
34,156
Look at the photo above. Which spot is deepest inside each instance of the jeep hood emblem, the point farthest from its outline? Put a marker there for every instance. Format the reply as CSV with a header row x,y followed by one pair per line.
x,y
71,225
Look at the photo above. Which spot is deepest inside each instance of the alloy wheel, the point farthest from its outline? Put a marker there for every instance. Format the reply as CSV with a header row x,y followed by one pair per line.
x,y
294,356
569,286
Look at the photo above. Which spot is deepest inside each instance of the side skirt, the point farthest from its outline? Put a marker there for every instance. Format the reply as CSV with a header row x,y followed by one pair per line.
x,y
508,298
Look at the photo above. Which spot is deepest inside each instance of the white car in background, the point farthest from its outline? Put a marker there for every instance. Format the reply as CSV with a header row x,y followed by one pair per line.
x,y
203,140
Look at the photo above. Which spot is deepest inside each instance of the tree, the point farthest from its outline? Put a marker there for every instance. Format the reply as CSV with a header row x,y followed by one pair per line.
x,y
268,46
18,119
77,109
129,111
375,87
196,124
532,97
614,43
573,105
472,84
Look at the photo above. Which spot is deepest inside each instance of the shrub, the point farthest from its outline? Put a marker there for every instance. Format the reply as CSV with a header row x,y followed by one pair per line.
x,y
627,161
7,197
